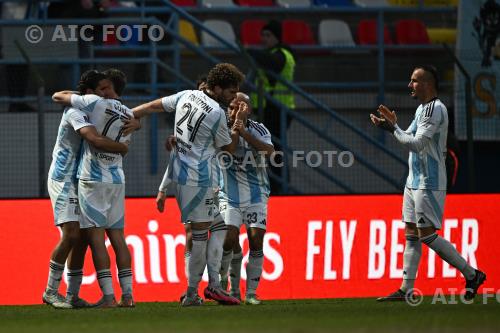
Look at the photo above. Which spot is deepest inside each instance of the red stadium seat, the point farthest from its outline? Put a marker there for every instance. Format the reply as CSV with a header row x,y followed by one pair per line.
x,y
297,32
411,32
255,3
367,33
185,3
250,32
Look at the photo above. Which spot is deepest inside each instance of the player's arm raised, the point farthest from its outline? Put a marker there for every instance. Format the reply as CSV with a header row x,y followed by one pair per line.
x,y
415,143
235,134
256,143
231,148
148,108
63,97
90,134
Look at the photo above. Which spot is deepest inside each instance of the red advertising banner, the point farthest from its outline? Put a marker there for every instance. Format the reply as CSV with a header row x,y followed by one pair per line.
x,y
315,247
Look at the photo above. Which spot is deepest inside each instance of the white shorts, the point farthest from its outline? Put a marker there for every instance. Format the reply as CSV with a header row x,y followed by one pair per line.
x,y
102,205
252,216
217,215
423,207
195,203
64,199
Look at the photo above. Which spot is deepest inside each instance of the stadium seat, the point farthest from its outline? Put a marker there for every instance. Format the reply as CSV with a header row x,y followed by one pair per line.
x,y
250,32
411,32
335,33
297,32
442,35
187,31
185,3
217,3
371,3
256,3
222,28
293,3
333,3
367,33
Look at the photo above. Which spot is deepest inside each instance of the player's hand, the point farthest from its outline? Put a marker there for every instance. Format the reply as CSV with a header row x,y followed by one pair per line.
x,y
388,114
160,201
381,123
239,126
130,125
242,112
170,143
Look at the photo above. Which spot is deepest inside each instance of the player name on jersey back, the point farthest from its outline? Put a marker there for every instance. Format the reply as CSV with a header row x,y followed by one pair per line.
x,y
200,128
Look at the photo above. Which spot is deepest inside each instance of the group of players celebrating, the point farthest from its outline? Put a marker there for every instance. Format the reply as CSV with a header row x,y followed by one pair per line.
x,y
215,194
216,188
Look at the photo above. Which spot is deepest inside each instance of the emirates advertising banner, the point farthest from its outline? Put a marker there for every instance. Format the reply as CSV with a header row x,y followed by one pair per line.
x,y
315,247
478,50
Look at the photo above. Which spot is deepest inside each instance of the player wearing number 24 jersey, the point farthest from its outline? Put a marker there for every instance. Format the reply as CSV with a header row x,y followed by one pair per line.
x,y
200,130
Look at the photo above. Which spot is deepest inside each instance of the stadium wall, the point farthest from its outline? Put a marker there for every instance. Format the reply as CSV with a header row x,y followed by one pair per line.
x,y
315,247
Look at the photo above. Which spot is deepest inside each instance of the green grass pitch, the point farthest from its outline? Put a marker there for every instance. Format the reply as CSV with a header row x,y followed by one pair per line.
x,y
341,315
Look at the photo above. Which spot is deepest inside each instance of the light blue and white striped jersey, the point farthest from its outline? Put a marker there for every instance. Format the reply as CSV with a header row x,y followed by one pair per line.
x,y
200,128
108,116
66,153
244,179
428,167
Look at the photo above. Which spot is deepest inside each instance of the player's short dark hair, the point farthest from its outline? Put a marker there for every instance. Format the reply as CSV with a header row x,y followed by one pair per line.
x,y
90,80
431,73
118,78
225,76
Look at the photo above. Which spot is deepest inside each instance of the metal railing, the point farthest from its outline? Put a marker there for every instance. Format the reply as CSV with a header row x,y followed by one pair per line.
x,y
180,81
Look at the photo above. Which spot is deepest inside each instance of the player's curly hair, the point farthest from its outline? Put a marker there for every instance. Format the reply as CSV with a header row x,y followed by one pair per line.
x,y
118,78
89,80
225,76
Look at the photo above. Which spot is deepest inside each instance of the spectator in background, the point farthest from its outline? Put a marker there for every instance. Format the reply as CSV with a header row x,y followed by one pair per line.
x,y
279,59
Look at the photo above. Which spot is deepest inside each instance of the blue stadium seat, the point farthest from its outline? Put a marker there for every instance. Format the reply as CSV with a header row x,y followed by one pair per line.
x,y
333,3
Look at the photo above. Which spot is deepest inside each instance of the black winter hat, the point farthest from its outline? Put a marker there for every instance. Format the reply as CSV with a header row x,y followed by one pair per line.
x,y
274,27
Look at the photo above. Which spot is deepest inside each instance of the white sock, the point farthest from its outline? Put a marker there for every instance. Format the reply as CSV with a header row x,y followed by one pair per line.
x,y
214,252
105,282
254,270
235,272
187,255
448,253
411,259
224,264
198,258
74,282
125,277
55,274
